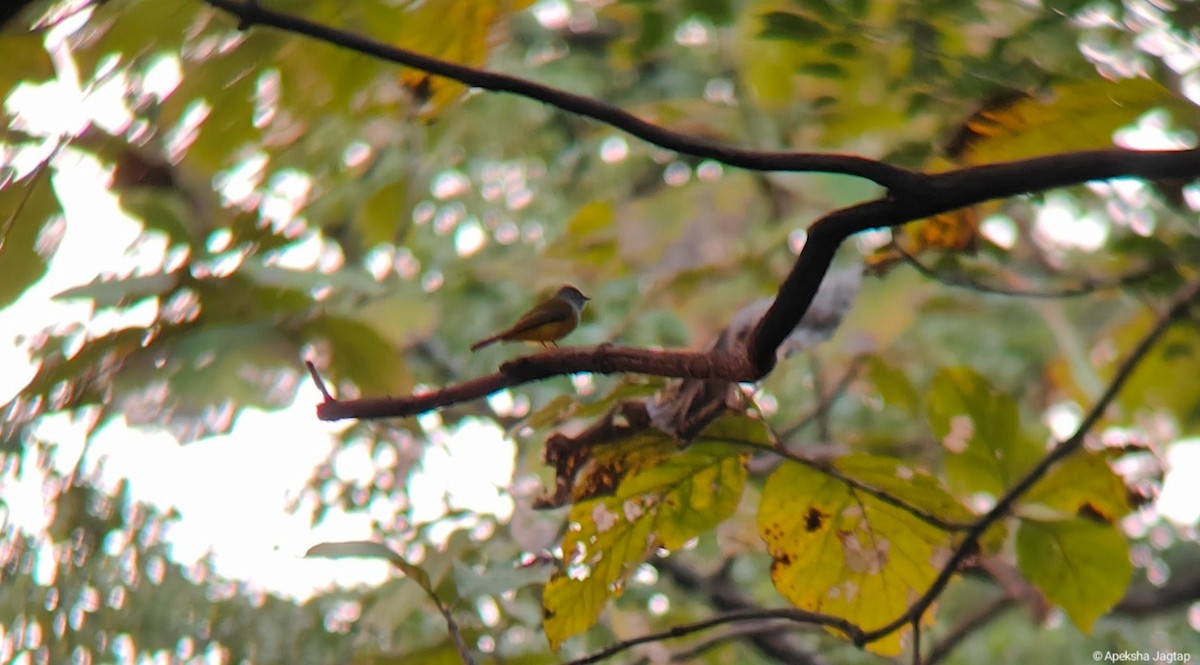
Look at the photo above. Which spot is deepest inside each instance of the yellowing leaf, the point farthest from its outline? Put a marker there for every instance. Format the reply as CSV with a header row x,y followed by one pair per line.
x,y
663,504
1066,118
1073,116
980,431
610,463
1082,484
955,231
1079,564
844,552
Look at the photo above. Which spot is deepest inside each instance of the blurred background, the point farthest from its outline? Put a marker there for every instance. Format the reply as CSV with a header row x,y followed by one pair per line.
x,y
190,211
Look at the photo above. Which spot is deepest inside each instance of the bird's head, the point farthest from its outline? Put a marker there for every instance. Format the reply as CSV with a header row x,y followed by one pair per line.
x,y
573,296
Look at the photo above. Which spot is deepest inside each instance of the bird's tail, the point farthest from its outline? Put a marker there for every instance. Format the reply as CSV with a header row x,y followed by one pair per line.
x,y
485,342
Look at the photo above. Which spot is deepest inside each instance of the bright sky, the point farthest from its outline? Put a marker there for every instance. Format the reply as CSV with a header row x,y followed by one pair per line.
x,y
232,491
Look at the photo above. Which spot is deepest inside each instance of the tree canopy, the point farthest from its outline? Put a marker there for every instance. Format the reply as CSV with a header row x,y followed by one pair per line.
x,y
892,327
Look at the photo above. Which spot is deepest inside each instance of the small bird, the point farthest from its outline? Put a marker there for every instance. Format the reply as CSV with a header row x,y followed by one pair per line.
x,y
547,323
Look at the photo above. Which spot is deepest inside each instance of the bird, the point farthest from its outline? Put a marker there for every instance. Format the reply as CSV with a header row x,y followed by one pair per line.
x,y
546,323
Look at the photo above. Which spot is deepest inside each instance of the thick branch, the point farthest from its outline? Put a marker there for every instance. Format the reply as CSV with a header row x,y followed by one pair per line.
x,y
603,359
949,191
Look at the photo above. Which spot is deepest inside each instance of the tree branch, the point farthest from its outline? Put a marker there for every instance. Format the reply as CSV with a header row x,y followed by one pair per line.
x,y
964,628
754,614
724,595
603,359
891,177
948,191
1085,286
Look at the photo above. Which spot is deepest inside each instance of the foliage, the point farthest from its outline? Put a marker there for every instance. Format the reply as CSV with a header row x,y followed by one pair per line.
x,y
315,203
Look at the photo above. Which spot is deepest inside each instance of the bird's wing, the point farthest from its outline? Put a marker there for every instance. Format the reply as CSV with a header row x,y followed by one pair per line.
x,y
539,317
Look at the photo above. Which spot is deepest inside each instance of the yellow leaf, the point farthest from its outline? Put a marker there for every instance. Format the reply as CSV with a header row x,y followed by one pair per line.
x,y
1082,484
1069,117
1013,126
610,463
474,33
663,504
844,552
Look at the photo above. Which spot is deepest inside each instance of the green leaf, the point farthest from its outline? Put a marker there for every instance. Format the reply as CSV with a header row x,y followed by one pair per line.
x,y
980,431
384,215
719,12
25,59
361,355
166,211
496,579
402,317
791,26
666,503
554,411
366,549
1165,378
211,367
892,385
1079,564
590,237
25,207
844,50
741,430
115,292
80,379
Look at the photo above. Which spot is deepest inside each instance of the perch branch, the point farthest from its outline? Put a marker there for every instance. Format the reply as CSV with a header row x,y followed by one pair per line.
x,y
603,359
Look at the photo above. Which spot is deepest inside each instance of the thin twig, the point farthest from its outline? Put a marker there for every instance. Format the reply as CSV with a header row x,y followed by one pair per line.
x,y
980,618
34,180
724,594
735,633
892,177
1086,286
757,614
316,377
853,483
1177,310
826,400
